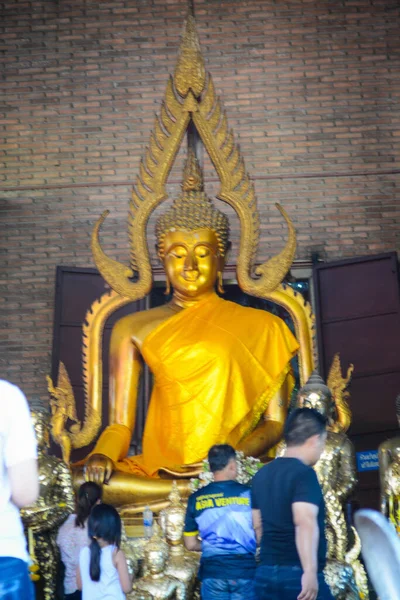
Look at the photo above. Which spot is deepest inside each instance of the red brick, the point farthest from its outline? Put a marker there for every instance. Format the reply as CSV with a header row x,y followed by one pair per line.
x,y
310,92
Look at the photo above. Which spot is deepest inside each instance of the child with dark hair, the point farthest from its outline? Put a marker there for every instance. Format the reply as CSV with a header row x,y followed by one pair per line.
x,y
103,571
73,536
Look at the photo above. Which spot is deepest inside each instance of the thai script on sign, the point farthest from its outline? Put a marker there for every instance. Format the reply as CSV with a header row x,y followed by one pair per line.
x,y
367,460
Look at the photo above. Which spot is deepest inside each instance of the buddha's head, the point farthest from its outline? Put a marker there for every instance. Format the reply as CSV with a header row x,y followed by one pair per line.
x,y
193,237
155,552
172,518
316,394
41,424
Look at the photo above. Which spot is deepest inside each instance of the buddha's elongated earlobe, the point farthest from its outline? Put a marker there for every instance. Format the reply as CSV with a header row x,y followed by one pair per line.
x,y
167,286
220,285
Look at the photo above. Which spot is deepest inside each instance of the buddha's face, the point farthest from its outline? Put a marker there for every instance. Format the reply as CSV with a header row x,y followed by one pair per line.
x,y
155,560
192,261
174,525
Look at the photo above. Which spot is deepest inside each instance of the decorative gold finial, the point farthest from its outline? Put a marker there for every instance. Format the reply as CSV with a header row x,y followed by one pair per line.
x,y
316,394
174,496
316,385
338,386
192,175
190,73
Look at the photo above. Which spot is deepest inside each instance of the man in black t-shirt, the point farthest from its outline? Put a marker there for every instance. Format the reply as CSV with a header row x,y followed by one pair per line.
x,y
220,514
289,515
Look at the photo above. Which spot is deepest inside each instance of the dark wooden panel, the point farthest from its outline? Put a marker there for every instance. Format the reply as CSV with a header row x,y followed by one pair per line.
x,y
372,344
373,403
368,497
367,492
70,339
358,288
79,290
357,307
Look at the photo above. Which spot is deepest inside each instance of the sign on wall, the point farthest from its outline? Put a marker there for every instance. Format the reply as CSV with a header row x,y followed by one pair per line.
x,y
367,460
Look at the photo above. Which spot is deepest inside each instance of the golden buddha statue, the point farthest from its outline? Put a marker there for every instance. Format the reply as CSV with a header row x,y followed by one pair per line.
x,y
155,581
55,503
336,472
182,565
199,348
389,471
222,371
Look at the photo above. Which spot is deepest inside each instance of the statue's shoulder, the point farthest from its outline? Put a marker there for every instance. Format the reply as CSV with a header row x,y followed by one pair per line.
x,y
390,445
143,317
139,325
250,313
338,438
340,442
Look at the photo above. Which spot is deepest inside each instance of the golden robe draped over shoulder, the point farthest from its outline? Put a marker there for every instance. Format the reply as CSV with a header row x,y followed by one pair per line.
x,y
216,366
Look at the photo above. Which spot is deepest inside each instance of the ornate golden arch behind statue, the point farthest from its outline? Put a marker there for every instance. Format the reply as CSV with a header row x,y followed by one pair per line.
x,y
189,98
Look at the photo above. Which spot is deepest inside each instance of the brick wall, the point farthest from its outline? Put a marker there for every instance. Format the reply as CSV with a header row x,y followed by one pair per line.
x,y
312,89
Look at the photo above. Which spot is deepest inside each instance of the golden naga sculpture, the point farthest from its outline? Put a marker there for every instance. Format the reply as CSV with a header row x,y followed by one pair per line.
x,y
55,503
389,470
336,472
155,581
221,371
182,565
63,408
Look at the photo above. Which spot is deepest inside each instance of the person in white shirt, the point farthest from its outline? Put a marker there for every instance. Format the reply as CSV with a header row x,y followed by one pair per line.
x,y
73,536
19,487
103,571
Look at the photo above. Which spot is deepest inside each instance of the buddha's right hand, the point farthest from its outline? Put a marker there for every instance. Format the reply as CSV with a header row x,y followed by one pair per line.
x,y
98,468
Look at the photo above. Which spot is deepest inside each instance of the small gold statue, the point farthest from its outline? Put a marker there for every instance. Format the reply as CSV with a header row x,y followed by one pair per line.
x,y
182,565
155,581
55,503
389,470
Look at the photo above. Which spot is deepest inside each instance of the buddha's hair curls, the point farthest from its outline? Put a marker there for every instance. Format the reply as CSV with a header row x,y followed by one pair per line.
x,y
193,210
190,211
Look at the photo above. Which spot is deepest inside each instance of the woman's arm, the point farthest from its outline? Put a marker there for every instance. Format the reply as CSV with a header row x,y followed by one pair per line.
x,y
78,578
125,578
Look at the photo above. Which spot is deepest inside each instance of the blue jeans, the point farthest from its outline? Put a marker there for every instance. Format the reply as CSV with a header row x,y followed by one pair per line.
x,y
284,583
15,583
227,589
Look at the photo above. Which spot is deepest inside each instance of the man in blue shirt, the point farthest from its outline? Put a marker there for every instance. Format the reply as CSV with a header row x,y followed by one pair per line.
x,y
220,515
289,515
